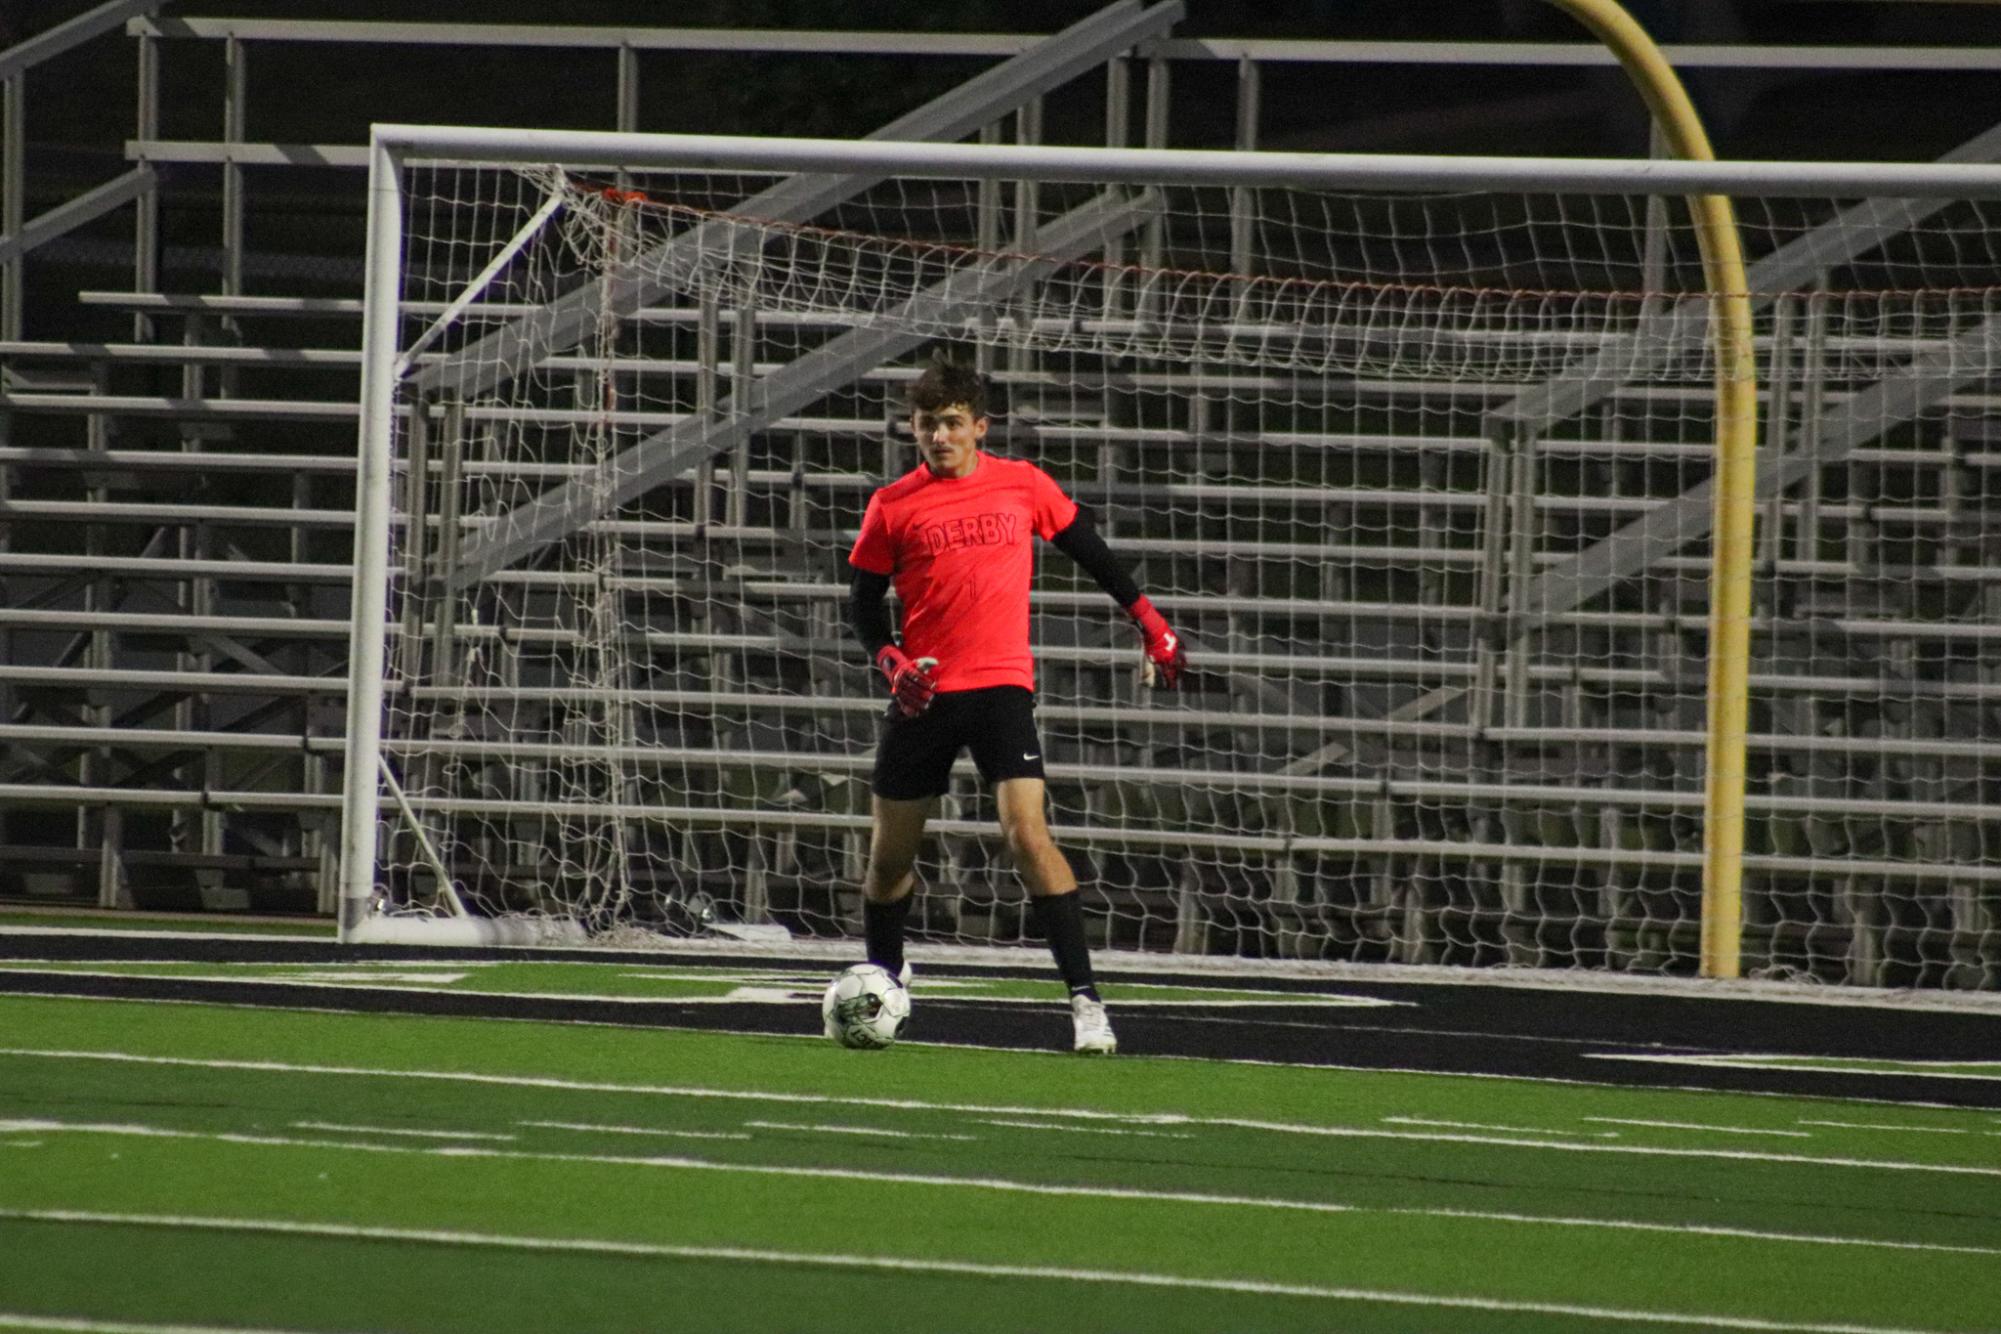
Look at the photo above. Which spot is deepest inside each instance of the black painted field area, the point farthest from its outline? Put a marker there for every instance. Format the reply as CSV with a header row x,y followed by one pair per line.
x,y
1904,1049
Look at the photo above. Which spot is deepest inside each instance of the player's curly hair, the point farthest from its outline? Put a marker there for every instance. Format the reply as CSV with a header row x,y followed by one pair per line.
x,y
946,382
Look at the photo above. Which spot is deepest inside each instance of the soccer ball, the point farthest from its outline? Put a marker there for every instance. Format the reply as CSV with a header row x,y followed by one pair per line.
x,y
865,1007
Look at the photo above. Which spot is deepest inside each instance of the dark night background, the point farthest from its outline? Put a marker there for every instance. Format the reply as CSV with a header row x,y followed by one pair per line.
x,y
80,107
323,88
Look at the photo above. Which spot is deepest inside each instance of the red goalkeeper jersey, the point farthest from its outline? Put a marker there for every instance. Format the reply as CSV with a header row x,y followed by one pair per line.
x,y
960,553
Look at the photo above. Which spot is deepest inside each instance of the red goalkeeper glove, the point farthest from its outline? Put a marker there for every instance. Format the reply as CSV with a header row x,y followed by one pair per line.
x,y
1166,660
910,683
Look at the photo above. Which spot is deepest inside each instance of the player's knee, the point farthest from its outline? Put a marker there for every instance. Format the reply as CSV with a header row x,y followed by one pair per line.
x,y
1028,842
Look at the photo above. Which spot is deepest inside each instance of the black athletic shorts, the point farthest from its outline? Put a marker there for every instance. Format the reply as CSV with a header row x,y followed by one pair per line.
x,y
914,757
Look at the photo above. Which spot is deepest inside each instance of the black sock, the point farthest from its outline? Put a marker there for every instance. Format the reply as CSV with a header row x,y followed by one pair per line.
x,y
1062,922
882,926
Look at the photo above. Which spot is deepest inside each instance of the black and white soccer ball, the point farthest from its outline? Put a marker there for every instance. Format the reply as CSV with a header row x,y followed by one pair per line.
x,y
865,1007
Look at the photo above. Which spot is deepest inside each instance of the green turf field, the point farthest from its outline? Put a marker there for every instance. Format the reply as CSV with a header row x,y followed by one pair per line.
x,y
171,1165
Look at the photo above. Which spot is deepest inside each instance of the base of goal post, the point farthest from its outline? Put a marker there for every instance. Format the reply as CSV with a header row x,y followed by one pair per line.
x,y
752,933
392,929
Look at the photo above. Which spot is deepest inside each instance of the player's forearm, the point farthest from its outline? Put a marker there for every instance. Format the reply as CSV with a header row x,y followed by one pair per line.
x,y
1082,543
1165,657
868,611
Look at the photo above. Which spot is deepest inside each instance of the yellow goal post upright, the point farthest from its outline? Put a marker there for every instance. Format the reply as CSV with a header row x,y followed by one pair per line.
x,y
626,395
1735,487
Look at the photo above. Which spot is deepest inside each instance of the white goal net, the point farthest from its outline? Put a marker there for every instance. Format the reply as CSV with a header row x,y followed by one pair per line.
x,y
1423,478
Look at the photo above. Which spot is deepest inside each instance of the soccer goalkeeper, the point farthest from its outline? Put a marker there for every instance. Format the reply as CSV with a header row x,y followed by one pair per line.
x,y
953,534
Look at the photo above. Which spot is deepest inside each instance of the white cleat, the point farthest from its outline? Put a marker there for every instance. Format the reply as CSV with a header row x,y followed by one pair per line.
x,y
1093,1026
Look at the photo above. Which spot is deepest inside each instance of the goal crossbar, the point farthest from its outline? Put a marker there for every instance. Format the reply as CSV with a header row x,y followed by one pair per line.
x,y
611,150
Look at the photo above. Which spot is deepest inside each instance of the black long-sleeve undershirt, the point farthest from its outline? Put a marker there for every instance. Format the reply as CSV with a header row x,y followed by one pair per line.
x,y
1081,543
868,612
868,609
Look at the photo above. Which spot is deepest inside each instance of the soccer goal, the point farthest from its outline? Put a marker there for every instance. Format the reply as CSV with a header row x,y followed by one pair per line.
x,y
1419,453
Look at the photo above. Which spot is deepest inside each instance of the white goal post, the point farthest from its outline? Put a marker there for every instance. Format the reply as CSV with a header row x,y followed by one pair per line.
x,y
1415,450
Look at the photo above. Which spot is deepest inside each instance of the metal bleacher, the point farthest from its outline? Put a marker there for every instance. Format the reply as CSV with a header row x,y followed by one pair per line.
x,y
178,571
178,515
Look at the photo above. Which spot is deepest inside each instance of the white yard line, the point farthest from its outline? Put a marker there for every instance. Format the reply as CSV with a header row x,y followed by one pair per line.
x,y
333,983
909,1265
1813,1065
584,1085
998,1184
1006,1185
765,978
20,962
383,979
879,1132
1878,1125
983,1109
1481,1125
1700,1230
1696,1125
392,1130
978,1183
1080,1130
921,990
589,1127
75,1325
